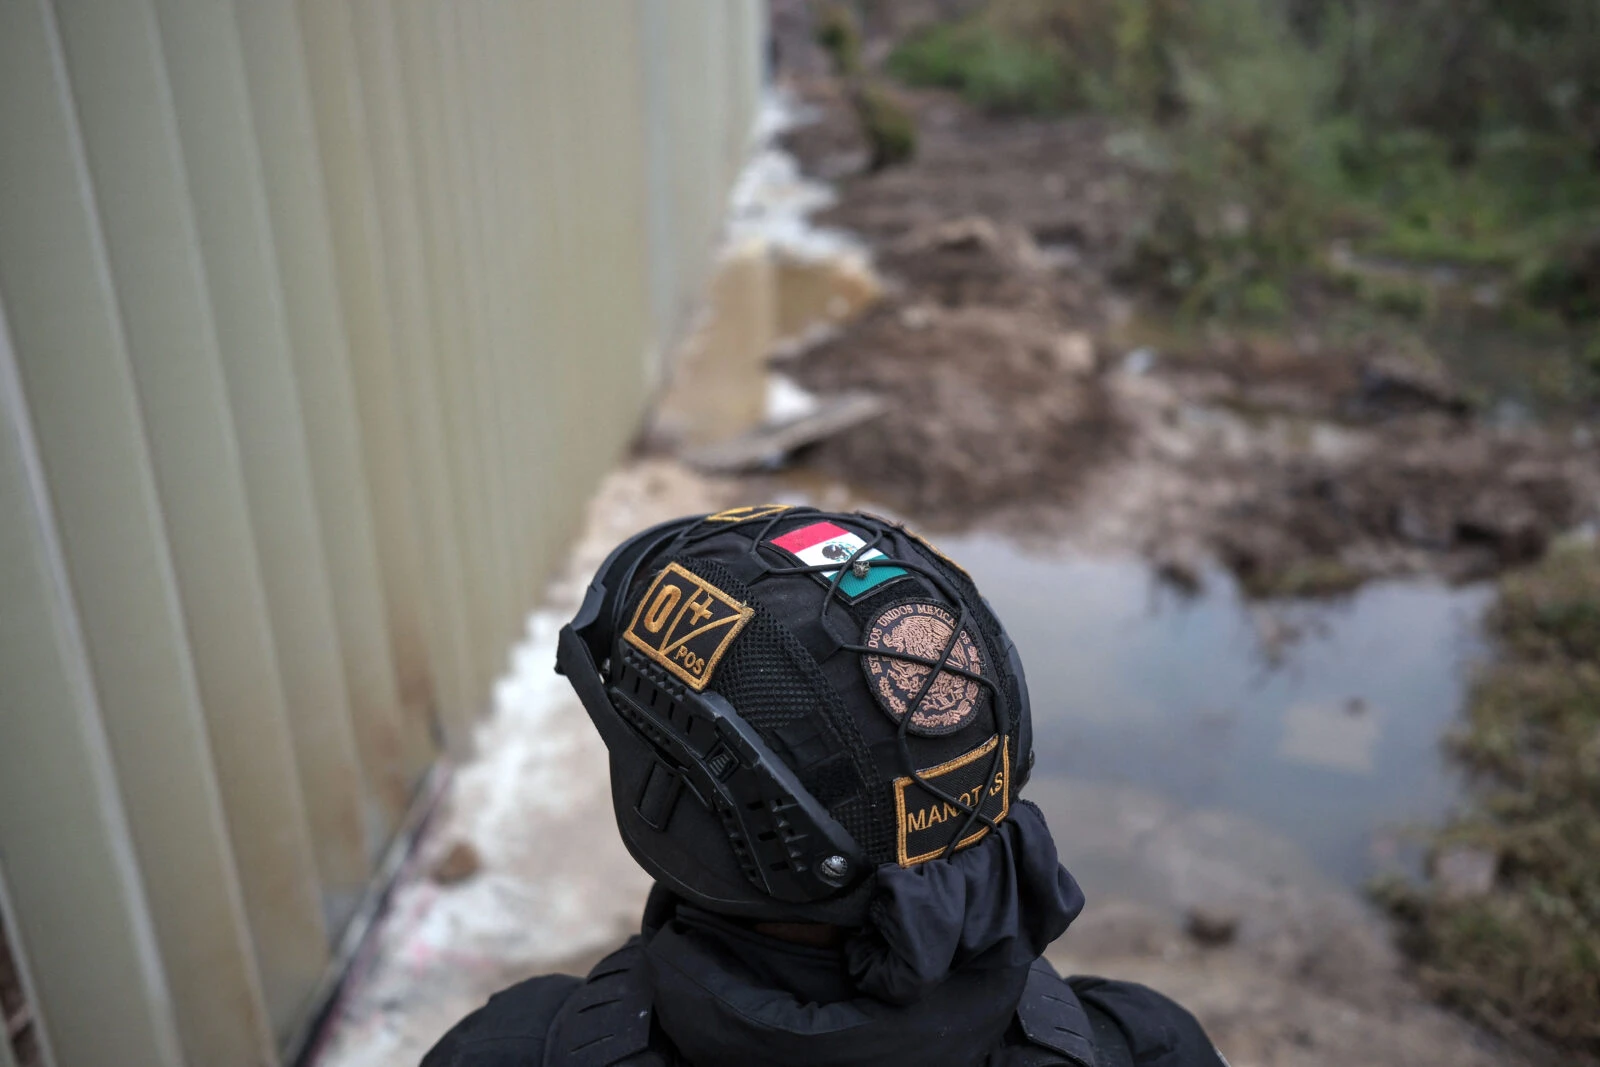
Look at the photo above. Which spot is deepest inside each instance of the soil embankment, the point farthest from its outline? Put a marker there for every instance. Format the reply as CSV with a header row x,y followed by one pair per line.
x,y
1024,382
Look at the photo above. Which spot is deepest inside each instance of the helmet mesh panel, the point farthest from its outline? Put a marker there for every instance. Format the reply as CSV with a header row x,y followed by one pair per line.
x,y
771,680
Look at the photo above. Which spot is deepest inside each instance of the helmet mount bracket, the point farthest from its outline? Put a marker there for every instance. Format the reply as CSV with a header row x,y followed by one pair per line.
x,y
785,841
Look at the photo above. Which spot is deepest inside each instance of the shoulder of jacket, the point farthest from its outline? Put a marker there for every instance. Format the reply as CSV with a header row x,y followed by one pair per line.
x,y
1154,1029
508,1031
607,1021
1052,1027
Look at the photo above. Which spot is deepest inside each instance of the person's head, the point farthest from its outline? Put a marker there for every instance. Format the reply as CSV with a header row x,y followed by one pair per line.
x,y
795,701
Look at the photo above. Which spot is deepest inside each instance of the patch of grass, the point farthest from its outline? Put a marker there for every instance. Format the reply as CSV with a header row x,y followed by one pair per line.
x,y
1525,956
1315,576
889,128
1565,278
1519,195
989,65
1438,131
839,35
1394,293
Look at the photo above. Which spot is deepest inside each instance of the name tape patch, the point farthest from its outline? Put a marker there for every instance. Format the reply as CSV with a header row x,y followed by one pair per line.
x,y
686,624
927,823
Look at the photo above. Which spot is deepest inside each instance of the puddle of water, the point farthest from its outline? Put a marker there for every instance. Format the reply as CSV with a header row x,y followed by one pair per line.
x,y
1327,732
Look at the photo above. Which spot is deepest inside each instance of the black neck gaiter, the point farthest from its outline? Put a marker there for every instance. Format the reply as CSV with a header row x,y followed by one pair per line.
x,y
934,978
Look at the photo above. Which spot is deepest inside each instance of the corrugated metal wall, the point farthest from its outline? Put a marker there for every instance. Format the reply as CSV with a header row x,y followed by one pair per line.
x,y
318,322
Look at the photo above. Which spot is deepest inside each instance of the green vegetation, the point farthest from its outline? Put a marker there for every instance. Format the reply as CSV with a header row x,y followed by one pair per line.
x,y
890,131
1000,71
1459,131
1522,954
840,36
1312,576
887,125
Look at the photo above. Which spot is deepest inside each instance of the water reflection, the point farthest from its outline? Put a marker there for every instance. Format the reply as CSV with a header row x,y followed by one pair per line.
x,y
1320,720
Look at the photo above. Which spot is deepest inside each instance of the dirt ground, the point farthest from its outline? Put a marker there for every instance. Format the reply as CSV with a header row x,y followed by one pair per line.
x,y
1023,383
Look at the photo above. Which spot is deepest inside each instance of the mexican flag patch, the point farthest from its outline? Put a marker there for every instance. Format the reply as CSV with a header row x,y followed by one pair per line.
x,y
823,542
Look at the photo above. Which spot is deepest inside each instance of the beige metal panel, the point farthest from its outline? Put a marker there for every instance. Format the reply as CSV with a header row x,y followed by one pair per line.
x,y
559,370
523,461
455,654
268,802
694,183
537,451
543,269
131,143
485,132
716,105
281,110
663,225
527,454
490,131
124,106
563,67
359,258
606,204
554,363
454,292
462,83
73,367
627,240
611,204
748,48
71,900
579,181
531,453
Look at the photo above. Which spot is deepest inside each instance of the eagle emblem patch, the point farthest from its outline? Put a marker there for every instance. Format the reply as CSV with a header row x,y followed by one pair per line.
x,y
686,624
921,629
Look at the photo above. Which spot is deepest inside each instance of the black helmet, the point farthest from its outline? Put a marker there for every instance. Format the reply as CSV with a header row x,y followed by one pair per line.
x,y
792,698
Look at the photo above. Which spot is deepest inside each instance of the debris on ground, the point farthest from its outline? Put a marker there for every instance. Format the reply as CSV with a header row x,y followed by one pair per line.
x,y
458,864
767,446
1462,872
1210,927
980,409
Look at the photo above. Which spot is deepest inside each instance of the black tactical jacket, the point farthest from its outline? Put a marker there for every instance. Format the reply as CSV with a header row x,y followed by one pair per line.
x,y
698,991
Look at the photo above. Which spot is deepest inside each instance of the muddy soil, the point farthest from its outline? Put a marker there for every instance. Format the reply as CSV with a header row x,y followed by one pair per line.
x,y
1026,389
